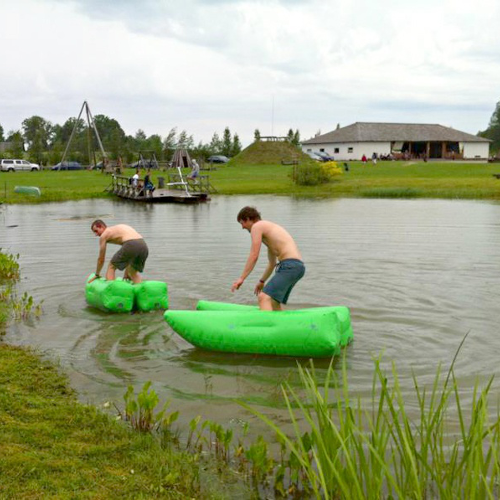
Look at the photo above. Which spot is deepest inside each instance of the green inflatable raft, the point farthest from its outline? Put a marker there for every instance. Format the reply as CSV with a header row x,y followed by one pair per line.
x,y
216,326
123,296
342,312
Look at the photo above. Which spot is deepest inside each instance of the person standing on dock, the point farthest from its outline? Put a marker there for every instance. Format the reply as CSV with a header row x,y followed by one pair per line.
x,y
131,257
282,253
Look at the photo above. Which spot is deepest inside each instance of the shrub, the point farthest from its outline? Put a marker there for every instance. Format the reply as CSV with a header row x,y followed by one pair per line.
x,y
312,174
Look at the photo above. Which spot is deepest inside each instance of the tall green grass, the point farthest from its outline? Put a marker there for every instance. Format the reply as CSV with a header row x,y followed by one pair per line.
x,y
381,451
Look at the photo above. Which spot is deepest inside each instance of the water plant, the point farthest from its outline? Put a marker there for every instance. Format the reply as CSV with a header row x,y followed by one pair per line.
x,y
9,267
140,411
350,451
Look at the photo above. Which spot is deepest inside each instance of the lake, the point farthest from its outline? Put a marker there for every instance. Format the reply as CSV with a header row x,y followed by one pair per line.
x,y
417,276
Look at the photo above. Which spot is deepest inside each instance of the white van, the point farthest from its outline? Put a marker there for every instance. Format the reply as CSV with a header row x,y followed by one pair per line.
x,y
13,165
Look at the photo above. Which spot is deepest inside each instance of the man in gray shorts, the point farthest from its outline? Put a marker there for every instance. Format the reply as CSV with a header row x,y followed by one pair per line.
x,y
132,255
282,254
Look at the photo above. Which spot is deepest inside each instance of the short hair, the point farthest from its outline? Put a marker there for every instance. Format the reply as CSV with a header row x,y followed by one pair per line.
x,y
248,213
98,222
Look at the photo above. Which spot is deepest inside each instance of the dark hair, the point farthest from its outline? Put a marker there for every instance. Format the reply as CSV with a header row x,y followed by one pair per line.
x,y
98,222
248,213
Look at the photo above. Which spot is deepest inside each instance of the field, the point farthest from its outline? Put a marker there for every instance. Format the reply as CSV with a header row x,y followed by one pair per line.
x,y
384,180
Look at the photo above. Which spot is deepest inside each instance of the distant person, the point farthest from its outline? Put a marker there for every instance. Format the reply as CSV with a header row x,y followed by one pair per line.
x,y
283,256
346,167
131,257
374,158
148,184
135,179
195,172
363,159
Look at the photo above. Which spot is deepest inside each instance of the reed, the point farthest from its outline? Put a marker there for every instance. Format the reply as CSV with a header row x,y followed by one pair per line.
x,y
382,450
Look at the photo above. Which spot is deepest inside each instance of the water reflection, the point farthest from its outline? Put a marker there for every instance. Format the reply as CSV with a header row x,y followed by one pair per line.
x,y
417,275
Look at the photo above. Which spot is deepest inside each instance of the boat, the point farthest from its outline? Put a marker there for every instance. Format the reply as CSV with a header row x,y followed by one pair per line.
x,y
124,296
217,326
31,190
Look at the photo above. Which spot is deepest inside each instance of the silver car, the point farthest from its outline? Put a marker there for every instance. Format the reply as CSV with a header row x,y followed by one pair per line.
x,y
15,165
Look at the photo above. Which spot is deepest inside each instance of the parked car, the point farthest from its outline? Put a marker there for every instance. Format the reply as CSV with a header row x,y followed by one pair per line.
x,y
8,165
218,159
68,165
314,156
325,156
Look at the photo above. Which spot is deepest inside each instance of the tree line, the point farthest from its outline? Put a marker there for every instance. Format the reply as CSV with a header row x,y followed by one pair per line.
x,y
42,142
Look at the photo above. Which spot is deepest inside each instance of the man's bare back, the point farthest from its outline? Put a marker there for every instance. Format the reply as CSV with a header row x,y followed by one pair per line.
x,y
119,234
277,240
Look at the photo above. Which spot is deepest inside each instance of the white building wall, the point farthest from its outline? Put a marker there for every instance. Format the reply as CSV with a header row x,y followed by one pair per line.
x,y
476,150
350,151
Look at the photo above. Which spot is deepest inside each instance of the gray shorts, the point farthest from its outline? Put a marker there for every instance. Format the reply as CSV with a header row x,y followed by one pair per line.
x,y
133,253
288,272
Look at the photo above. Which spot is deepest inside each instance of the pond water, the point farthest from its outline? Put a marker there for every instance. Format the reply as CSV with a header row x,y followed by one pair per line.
x,y
417,276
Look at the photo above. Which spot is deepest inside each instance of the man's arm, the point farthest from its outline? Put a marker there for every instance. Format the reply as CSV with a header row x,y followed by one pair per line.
x,y
102,254
271,264
256,234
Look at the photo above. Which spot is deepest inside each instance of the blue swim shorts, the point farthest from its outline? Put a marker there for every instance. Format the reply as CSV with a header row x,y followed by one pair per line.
x,y
288,272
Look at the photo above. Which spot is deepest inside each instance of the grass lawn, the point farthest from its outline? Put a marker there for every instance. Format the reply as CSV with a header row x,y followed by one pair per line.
x,y
386,179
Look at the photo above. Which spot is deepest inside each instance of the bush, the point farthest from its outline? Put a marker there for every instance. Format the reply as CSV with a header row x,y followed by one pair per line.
x,y
312,174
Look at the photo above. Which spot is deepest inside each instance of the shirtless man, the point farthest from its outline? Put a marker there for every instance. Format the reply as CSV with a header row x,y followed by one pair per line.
x,y
281,248
131,256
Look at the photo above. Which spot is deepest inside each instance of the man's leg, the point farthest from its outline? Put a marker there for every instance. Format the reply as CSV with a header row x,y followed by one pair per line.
x,y
111,272
267,303
133,274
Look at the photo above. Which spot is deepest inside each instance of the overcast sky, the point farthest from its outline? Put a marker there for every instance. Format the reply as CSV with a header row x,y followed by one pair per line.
x,y
202,65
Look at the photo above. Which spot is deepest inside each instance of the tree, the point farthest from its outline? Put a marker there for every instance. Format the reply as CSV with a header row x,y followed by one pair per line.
x,y
215,144
185,141
236,146
289,136
2,139
37,133
493,130
296,138
17,147
227,143
256,135
170,143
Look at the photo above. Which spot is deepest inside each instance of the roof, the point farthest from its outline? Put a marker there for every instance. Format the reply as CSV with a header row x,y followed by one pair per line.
x,y
401,132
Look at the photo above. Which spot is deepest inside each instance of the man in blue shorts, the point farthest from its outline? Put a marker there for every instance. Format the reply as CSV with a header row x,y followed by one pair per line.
x,y
282,253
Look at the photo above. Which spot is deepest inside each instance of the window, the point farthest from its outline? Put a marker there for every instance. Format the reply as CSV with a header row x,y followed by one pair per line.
x,y
309,150
350,150
336,150
322,150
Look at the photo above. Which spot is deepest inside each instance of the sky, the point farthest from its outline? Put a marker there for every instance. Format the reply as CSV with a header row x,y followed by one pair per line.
x,y
203,65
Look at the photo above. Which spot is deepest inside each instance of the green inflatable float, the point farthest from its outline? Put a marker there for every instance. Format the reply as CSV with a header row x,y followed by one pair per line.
x,y
123,296
217,326
342,312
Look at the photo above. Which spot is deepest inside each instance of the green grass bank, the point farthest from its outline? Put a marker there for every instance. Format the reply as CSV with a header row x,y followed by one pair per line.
x,y
452,180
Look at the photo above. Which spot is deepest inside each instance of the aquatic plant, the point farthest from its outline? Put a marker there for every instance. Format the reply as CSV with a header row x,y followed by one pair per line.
x,y
9,267
353,452
140,411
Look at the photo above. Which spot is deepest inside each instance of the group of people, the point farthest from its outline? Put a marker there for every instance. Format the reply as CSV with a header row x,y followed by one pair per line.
x,y
283,256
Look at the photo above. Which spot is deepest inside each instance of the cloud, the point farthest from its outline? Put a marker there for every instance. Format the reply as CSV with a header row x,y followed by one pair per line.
x,y
203,65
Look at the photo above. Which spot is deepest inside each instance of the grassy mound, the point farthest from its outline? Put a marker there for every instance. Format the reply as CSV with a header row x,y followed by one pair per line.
x,y
269,153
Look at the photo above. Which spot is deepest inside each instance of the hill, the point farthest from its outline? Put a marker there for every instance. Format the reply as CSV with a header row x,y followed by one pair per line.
x,y
268,153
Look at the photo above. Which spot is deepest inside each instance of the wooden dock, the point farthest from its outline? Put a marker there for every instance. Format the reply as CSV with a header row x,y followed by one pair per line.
x,y
176,190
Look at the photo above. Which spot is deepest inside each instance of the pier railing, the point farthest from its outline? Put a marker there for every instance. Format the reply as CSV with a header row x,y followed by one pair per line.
x,y
200,184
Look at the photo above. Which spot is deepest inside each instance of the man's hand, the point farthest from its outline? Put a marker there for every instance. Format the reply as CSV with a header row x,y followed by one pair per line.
x,y
258,288
237,284
96,276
